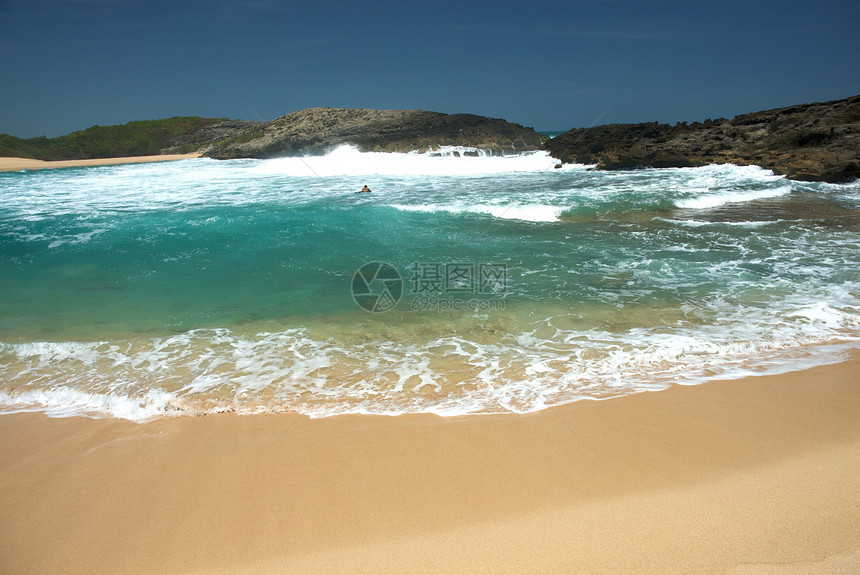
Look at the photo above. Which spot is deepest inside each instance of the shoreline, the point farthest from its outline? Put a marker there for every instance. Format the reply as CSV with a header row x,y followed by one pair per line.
x,y
750,476
8,164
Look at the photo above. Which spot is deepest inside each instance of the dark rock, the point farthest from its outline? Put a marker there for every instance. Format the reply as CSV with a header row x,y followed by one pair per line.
x,y
818,141
216,134
319,130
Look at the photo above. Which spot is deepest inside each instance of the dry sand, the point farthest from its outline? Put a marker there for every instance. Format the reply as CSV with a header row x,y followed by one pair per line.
x,y
754,476
16,164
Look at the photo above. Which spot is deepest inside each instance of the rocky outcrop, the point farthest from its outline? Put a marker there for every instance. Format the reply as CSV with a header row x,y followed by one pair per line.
x,y
214,134
818,141
319,130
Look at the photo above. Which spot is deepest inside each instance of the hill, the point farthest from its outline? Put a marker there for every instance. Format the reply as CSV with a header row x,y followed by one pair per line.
x,y
142,138
310,131
318,130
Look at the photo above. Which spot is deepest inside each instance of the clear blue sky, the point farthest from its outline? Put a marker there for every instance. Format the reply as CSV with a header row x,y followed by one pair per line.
x,y
66,65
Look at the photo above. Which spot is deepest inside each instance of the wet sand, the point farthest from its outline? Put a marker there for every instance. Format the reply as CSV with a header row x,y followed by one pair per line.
x,y
752,476
16,164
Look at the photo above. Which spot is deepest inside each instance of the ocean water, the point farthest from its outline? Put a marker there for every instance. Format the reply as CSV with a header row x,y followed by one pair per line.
x,y
462,284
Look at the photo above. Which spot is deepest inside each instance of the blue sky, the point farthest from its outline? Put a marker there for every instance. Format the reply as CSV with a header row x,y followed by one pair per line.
x,y
66,65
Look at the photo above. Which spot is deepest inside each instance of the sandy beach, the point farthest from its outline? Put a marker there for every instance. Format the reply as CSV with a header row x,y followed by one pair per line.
x,y
752,476
16,164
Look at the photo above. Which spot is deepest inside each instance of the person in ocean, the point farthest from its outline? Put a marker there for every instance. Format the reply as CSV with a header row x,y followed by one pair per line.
x,y
365,189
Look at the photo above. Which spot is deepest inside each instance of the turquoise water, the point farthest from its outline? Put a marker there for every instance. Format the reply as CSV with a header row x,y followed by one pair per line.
x,y
199,286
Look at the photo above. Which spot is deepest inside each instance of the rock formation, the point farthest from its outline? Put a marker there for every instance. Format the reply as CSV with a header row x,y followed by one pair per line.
x,y
818,141
319,130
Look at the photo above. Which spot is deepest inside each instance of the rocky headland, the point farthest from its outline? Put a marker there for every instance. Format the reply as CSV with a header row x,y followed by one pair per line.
x,y
319,130
819,141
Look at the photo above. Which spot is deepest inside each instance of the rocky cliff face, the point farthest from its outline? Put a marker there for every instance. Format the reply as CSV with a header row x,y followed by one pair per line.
x,y
214,134
808,142
319,130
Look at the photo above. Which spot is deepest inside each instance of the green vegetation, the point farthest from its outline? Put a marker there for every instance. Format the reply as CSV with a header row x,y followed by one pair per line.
x,y
133,139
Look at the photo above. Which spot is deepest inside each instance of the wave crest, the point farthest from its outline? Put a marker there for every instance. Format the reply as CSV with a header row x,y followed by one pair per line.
x,y
523,212
349,161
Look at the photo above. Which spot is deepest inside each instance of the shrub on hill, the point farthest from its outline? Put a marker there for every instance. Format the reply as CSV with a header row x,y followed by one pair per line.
x,y
142,138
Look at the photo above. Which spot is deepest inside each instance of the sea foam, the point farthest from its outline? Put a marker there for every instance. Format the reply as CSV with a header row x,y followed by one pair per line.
x,y
527,212
210,371
721,197
455,161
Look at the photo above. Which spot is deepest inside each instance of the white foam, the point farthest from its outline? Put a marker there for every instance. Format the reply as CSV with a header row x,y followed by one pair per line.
x,y
824,314
722,197
65,401
524,212
348,161
703,223
206,371
74,239
90,193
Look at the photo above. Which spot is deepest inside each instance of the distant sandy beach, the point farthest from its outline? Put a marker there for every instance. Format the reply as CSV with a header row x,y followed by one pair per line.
x,y
753,476
16,164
